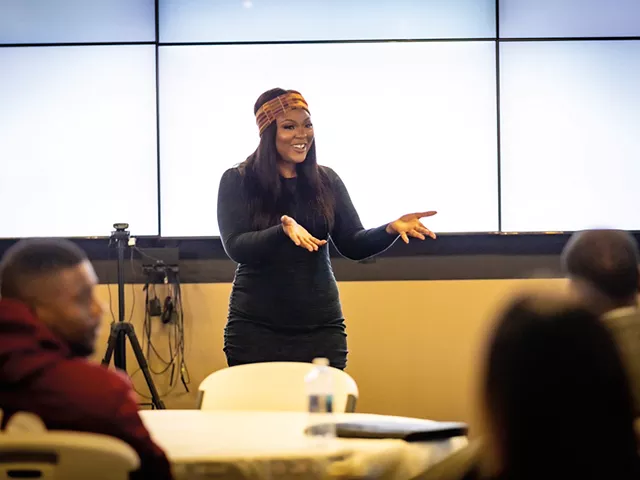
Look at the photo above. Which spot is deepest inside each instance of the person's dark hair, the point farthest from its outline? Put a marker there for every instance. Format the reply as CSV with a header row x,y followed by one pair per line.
x,y
267,198
606,259
557,395
33,257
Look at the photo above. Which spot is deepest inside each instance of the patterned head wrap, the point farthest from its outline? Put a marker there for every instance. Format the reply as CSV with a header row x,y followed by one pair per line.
x,y
268,112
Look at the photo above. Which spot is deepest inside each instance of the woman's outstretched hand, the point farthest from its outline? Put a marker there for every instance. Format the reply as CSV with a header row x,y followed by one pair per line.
x,y
299,235
409,225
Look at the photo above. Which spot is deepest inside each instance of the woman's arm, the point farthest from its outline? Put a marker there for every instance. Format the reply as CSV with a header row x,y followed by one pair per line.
x,y
242,243
348,235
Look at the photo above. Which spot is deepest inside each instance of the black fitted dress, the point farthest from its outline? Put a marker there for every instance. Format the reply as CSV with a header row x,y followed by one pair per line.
x,y
284,304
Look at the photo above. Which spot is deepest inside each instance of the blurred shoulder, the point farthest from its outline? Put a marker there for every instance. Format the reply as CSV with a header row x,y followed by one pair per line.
x,y
83,384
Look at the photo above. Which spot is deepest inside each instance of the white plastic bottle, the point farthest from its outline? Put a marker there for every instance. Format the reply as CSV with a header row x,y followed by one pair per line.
x,y
319,384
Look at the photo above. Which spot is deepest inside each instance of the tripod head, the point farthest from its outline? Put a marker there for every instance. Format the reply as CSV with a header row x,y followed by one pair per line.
x,y
120,233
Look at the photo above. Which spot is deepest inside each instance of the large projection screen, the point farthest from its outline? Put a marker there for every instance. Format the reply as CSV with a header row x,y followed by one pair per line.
x,y
78,140
418,134
570,135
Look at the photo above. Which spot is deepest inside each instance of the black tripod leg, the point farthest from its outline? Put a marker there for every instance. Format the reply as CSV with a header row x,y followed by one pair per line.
x,y
113,336
120,356
144,366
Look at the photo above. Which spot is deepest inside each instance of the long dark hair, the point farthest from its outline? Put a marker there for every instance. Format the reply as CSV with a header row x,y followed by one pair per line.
x,y
267,199
557,395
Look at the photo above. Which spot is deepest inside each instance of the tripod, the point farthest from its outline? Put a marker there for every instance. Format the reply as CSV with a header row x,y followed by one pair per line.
x,y
121,330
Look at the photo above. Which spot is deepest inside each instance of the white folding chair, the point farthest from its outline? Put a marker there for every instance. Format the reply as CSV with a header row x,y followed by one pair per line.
x,y
56,455
270,386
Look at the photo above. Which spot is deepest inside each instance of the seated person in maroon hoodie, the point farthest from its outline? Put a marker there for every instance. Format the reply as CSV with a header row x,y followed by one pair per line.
x,y
49,319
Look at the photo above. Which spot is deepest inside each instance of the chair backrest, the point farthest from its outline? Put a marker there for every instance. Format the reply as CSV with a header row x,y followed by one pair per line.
x,y
68,455
270,386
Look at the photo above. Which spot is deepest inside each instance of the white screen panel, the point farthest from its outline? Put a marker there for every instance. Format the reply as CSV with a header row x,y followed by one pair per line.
x,y
418,134
570,135
78,140
76,21
569,18
274,20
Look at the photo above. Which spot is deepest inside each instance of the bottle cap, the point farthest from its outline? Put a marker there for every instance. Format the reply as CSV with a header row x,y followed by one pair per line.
x,y
324,362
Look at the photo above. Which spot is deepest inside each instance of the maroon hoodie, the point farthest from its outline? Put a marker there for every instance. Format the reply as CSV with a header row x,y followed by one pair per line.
x,y
39,374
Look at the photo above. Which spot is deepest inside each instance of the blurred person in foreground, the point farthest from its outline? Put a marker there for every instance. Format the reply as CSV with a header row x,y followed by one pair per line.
x,y
49,319
556,402
602,266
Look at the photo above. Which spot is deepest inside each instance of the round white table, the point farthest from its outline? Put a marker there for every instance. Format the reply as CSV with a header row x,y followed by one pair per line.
x,y
268,445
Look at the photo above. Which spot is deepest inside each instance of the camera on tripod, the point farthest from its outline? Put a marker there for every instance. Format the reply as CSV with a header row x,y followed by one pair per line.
x,y
121,232
122,330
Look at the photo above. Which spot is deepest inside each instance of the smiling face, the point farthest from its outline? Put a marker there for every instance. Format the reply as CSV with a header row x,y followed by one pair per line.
x,y
294,136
